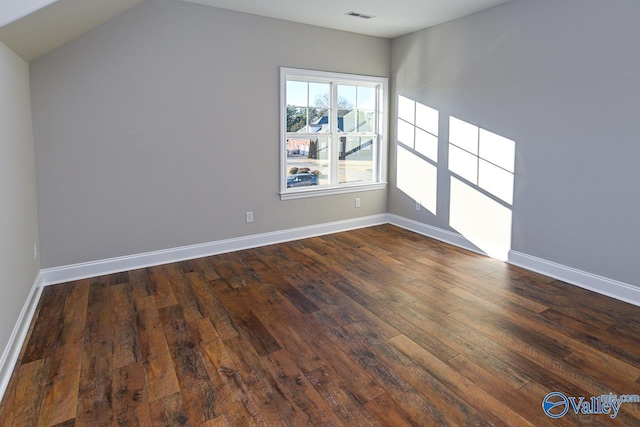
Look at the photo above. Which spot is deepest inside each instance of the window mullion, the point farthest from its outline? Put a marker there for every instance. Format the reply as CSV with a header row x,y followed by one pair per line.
x,y
335,139
377,131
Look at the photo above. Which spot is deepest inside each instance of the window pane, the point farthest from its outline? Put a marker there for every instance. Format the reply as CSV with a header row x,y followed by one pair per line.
x,y
319,120
347,120
356,159
366,98
296,119
346,97
307,161
297,94
319,95
366,121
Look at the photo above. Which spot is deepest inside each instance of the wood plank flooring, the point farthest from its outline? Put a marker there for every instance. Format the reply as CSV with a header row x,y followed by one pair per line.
x,y
370,327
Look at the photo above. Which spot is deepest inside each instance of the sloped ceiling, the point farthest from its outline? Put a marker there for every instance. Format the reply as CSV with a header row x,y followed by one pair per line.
x,y
58,23
35,27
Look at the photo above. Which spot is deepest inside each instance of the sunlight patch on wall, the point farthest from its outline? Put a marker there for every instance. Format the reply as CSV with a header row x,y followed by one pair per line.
x,y
497,165
417,137
418,127
417,178
483,221
482,164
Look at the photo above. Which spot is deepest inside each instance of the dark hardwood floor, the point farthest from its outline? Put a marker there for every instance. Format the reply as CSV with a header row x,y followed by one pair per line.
x,y
376,326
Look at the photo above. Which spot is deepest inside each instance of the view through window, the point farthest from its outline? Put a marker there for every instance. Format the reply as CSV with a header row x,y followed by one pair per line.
x,y
333,127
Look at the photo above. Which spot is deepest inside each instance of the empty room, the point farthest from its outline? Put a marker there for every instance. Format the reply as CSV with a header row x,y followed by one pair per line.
x,y
236,213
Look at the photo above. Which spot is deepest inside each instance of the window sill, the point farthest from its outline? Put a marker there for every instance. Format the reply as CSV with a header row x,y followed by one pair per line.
x,y
328,191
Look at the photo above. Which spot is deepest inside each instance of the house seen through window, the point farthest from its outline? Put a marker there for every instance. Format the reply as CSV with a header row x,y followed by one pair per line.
x,y
333,128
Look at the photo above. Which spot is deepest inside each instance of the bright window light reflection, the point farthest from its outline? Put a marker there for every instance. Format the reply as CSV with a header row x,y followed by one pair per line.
x,y
417,131
464,135
406,109
405,133
427,144
496,181
418,127
427,118
417,178
498,150
482,184
480,219
463,163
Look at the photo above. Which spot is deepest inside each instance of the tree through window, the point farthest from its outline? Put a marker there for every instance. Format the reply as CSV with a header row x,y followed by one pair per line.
x,y
332,132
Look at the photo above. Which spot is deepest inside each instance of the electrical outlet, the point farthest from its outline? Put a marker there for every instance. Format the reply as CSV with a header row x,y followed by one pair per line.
x,y
249,216
35,250
418,206
357,202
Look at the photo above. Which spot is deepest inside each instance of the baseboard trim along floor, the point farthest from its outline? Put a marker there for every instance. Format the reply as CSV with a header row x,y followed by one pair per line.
x,y
50,276
602,285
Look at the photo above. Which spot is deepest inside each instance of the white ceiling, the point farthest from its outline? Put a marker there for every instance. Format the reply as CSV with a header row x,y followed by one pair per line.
x,y
392,18
32,28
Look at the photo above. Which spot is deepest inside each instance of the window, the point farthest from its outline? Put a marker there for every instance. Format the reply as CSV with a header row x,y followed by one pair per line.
x,y
333,130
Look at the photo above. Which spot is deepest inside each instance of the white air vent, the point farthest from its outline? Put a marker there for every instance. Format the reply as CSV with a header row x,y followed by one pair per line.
x,y
359,15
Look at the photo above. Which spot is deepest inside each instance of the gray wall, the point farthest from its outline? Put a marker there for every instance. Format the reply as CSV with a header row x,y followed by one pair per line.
x,y
560,79
18,222
160,129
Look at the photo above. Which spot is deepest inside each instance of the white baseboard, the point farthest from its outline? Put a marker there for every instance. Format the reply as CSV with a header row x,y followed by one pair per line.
x,y
602,285
131,262
50,276
19,334
433,232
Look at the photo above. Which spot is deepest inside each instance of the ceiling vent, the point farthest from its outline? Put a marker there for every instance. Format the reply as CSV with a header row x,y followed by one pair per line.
x,y
359,15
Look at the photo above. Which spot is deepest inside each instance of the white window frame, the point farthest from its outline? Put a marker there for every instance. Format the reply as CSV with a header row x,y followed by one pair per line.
x,y
382,120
